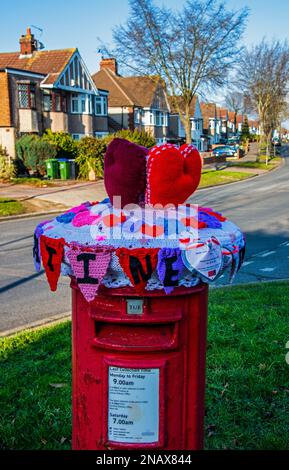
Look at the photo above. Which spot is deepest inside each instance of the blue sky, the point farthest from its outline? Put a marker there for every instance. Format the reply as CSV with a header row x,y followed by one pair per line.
x,y
78,23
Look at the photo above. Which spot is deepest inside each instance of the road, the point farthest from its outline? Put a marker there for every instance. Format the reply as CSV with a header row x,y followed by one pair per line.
x,y
260,206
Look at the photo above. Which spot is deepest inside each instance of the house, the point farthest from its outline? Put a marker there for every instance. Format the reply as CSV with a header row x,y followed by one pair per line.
x,y
136,102
239,122
223,116
176,128
42,89
254,126
211,124
231,125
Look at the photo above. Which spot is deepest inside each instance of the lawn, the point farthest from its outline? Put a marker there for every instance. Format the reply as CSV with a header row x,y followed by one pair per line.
x,y
261,165
10,207
216,177
247,376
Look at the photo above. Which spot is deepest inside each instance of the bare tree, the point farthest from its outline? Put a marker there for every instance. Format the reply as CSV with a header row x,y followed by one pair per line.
x,y
264,76
235,102
191,50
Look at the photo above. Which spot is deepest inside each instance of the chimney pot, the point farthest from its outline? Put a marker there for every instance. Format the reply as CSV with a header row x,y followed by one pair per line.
x,y
27,43
110,64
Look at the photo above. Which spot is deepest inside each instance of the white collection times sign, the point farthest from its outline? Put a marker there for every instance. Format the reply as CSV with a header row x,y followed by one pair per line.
x,y
133,405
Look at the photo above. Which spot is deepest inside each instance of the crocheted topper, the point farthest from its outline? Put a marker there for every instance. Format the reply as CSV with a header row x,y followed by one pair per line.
x,y
163,175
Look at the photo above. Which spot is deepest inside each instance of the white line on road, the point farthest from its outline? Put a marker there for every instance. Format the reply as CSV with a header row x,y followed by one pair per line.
x,y
263,255
284,244
267,270
247,263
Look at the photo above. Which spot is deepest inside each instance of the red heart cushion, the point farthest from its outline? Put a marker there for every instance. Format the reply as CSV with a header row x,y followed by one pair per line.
x,y
125,171
172,174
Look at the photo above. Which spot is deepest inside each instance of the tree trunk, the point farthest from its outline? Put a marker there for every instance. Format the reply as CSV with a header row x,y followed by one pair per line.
x,y
188,131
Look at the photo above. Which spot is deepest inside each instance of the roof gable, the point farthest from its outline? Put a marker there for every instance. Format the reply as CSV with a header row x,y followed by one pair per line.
x,y
74,77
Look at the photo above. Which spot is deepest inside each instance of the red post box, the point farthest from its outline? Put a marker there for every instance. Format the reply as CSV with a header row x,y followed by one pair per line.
x,y
139,369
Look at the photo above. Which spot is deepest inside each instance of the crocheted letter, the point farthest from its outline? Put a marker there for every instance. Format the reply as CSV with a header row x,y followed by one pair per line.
x,y
51,253
89,268
138,264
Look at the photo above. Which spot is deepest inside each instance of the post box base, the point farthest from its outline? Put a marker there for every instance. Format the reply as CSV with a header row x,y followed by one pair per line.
x,y
139,369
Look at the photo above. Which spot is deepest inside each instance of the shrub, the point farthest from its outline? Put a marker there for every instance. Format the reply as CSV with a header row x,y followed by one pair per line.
x,y
139,137
34,151
65,146
90,156
6,166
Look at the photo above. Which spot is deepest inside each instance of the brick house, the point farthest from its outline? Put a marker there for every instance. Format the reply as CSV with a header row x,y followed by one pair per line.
x,y
223,116
199,139
211,123
136,102
48,89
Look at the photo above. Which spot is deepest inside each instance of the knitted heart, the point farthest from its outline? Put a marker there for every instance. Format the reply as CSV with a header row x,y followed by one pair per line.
x,y
125,171
172,174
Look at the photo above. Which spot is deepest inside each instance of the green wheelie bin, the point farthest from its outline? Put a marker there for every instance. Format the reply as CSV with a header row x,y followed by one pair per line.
x,y
64,168
52,168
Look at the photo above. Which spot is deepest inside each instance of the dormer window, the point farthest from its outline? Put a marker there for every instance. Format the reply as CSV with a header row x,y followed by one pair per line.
x,y
26,95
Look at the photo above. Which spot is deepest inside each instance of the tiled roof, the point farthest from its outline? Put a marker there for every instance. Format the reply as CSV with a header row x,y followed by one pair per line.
x,y
208,112
42,62
231,116
239,119
179,99
126,91
222,113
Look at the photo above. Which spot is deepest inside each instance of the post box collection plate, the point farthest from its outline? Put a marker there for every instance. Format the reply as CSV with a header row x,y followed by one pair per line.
x,y
133,405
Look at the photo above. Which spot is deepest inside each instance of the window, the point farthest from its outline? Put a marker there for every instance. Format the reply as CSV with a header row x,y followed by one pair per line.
x,y
53,101
100,106
161,118
77,136
46,101
100,134
26,95
80,103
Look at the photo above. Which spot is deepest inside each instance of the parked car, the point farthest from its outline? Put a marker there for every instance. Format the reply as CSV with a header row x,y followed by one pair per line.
x,y
225,151
234,141
276,142
223,140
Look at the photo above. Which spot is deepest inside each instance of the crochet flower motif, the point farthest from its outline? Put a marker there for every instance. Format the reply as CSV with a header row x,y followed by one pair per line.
x,y
85,218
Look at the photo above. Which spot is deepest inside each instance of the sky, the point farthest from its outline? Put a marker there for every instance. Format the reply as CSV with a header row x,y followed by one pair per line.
x,y
78,23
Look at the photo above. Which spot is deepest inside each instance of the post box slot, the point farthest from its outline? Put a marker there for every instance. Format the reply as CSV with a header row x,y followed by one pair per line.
x,y
138,337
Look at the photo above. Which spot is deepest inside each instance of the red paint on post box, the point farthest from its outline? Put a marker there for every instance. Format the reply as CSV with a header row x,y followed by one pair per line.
x,y
139,378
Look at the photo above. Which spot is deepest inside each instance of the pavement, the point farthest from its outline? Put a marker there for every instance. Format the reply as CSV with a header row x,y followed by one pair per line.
x,y
258,205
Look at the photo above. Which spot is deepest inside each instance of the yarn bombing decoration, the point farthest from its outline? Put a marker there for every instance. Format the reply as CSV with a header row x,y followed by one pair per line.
x,y
162,245
138,264
89,266
125,171
52,253
172,174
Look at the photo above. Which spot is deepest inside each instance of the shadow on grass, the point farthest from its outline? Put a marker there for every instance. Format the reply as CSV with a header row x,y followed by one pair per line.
x,y
247,376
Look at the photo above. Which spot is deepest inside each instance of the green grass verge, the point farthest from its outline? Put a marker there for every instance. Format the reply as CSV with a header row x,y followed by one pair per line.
x,y
261,165
247,376
216,177
37,182
10,207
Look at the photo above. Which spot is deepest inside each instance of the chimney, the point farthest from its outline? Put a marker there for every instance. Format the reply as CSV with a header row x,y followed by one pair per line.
x,y
110,64
27,44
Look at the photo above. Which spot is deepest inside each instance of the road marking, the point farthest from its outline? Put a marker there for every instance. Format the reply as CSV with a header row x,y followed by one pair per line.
x,y
263,255
267,270
247,263
284,244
